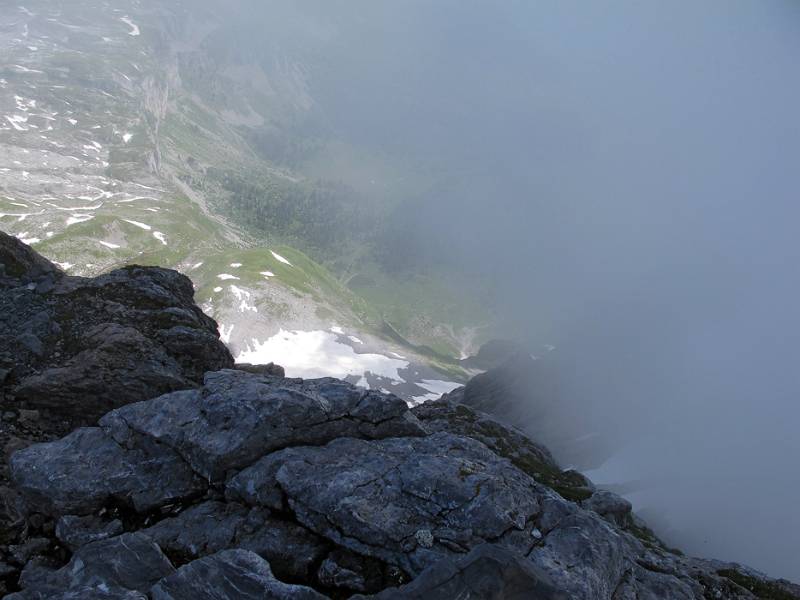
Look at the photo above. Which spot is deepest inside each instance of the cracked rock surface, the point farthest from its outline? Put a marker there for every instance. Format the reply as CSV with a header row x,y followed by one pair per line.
x,y
284,488
247,484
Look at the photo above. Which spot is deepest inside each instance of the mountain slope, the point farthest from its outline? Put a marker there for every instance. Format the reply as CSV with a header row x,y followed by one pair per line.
x,y
130,133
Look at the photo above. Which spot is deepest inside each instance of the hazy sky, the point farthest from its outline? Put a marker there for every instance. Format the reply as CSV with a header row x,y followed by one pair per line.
x,y
626,177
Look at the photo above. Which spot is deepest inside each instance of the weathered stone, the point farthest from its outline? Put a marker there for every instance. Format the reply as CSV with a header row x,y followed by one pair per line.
x,y
334,575
269,369
343,570
268,414
95,591
506,441
83,471
291,550
137,366
236,574
126,563
22,553
39,568
78,347
489,571
610,506
584,556
373,497
75,532
641,584
12,515
21,262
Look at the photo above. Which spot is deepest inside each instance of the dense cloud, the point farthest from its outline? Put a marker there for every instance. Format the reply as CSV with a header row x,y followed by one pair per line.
x,y
621,180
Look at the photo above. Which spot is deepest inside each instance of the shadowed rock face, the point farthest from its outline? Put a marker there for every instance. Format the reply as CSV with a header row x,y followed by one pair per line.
x,y
252,485
72,348
75,348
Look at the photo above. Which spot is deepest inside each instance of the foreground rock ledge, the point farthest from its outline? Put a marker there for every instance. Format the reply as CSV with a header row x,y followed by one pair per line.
x,y
209,483
284,488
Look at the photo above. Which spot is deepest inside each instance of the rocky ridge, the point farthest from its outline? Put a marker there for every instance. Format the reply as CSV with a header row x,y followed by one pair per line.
x,y
206,481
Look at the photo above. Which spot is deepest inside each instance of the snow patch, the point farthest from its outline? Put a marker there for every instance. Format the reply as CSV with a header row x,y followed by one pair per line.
x,y
312,354
227,277
437,386
79,219
243,296
160,237
279,258
15,121
138,224
134,27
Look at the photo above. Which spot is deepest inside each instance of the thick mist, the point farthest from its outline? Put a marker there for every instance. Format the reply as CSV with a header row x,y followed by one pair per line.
x,y
620,180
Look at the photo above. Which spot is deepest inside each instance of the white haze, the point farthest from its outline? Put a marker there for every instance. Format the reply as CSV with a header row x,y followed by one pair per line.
x,y
620,179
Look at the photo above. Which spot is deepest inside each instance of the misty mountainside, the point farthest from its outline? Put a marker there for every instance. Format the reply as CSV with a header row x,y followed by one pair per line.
x,y
207,480
379,191
133,133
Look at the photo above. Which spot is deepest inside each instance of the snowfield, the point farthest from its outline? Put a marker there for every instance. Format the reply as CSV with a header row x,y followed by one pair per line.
x,y
310,354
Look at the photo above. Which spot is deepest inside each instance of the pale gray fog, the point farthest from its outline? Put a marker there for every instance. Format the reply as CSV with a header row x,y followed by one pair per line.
x,y
621,180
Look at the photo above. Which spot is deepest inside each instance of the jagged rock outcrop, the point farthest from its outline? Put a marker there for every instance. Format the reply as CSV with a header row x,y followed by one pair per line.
x,y
73,348
69,342
253,485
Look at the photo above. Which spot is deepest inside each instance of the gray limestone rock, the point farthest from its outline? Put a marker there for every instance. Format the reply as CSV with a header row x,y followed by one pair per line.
x,y
237,417
85,470
230,574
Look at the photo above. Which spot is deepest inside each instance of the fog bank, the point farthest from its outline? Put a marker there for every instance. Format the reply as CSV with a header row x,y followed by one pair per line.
x,y
620,180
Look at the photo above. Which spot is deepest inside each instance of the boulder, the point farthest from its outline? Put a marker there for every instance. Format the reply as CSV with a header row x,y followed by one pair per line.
x,y
406,501
488,572
116,566
212,526
238,417
76,347
230,574
75,532
86,470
